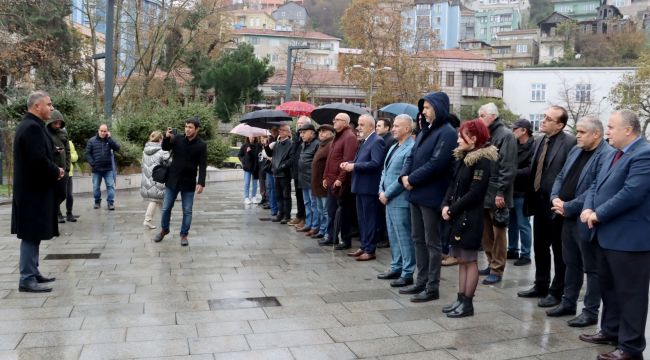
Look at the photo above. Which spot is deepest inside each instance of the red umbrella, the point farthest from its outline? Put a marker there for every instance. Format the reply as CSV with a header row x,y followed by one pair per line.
x,y
296,108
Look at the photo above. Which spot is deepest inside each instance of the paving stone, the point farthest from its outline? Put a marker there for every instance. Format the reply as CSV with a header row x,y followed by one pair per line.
x,y
269,354
25,326
372,305
385,346
10,341
121,321
223,328
415,327
363,332
287,339
323,352
304,323
220,315
75,337
107,309
424,355
352,319
305,310
59,353
218,344
134,349
35,313
144,333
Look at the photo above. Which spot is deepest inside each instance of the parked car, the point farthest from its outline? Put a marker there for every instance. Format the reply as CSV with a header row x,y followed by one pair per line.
x,y
233,160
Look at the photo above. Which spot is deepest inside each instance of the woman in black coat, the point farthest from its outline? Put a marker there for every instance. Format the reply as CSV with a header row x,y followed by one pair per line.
x,y
463,208
248,155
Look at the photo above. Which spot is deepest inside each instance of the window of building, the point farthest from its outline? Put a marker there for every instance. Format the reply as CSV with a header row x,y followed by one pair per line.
x,y
437,8
591,7
522,48
436,77
583,93
275,57
536,120
503,50
468,79
538,92
438,20
483,79
329,61
551,51
254,40
450,78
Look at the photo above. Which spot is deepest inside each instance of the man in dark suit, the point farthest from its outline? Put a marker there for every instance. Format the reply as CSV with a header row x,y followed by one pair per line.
x,y
549,156
34,204
568,196
616,210
366,173
384,129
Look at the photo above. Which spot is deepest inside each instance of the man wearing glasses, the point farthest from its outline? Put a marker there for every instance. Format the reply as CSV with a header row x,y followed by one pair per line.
x,y
550,153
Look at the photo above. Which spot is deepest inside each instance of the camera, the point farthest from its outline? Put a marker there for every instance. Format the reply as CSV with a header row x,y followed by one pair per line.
x,y
175,131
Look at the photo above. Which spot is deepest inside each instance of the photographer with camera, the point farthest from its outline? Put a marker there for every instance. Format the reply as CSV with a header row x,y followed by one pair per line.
x,y
188,153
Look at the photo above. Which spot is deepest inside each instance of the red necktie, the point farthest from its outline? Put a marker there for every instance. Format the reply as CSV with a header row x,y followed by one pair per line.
x,y
616,157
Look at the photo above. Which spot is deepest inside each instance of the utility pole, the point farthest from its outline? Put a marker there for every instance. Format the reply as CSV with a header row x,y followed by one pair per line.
x,y
108,64
287,89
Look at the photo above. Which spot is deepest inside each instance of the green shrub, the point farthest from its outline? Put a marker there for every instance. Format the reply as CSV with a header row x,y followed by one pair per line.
x,y
129,154
218,151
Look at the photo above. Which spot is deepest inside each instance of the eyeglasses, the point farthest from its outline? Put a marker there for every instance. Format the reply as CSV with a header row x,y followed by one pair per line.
x,y
549,119
337,119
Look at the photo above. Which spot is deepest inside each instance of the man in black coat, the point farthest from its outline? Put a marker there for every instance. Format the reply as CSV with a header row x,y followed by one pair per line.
x,y
550,153
189,153
34,205
281,163
99,153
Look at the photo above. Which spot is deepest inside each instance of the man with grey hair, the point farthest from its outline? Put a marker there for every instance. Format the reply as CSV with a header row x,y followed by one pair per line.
x,y
398,215
281,162
34,204
568,196
366,173
616,211
296,146
499,194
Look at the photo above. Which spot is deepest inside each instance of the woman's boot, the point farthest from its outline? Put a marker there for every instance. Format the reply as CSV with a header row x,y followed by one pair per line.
x,y
454,305
466,308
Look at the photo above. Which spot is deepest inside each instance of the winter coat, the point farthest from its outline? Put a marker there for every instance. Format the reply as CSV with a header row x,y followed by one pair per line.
x,y
74,157
296,146
152,155
250,159
187,157
99,153
466,193
281,158
430,164
524,158
318,168
502,176
60,140
34,205
343,148
307,152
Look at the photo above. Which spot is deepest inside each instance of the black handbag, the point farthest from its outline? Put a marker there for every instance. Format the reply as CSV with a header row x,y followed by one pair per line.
x,y
501,217
160,172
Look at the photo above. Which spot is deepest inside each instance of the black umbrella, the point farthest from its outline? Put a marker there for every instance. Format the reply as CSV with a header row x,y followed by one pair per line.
x,y
265,119
325,114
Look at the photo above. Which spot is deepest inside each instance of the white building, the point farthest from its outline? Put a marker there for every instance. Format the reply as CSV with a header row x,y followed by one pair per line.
x,y
530,91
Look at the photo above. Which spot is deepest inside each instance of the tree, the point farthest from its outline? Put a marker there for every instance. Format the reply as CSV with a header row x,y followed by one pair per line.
x,y
578,100
326,15
539,9
235,78
378,32
633,92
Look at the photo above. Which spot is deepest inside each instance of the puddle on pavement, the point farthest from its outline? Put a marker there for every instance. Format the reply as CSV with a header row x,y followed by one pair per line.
x,y
253,302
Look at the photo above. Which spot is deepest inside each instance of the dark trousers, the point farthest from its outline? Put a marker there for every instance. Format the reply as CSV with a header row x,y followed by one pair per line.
x,y
547,234
69,200
283,195
263,193
425,224
580,257
28,263
624,278
300,202
370,231
342,221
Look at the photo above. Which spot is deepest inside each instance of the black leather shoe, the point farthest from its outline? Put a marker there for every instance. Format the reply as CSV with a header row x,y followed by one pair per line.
x,y
96,206
411,290
284,221
61,219
583,320
512,255
599,338
317,236
560,310
71,218
34,287
549,301
276,219
389,275
465,308
42,279
401,282
325,242
449,308
521,261
425,296
533,292
484,272
342,247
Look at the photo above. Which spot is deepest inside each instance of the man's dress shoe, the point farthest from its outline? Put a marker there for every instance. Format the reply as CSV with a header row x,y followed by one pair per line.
x,y
42,279
389,275
34,287
599,338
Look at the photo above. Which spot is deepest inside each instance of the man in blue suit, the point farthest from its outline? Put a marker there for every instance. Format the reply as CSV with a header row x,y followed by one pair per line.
x,y
366,172
617,210
567,197
394,196
426,175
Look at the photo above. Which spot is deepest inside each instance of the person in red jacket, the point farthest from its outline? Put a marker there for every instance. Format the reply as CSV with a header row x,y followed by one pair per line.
x,y
337,182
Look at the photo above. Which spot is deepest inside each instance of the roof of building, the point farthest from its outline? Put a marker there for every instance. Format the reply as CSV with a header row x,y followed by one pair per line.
x,y
518,32
558,17
291,34
251,11
456,54
309,77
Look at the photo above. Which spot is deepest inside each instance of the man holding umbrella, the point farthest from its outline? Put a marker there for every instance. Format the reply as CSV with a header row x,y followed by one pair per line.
x,y
337,181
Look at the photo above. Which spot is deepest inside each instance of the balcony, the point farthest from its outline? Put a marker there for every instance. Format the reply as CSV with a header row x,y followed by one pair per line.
x,y
481,92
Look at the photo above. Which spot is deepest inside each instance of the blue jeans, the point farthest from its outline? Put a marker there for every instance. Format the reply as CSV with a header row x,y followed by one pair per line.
x,y
187,201
321,206
109,181
312,215
248,177
270,193
519,229
402,249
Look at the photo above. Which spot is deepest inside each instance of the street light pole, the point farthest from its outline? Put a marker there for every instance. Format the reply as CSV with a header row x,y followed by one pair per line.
x,y
371,71
287,89
108,64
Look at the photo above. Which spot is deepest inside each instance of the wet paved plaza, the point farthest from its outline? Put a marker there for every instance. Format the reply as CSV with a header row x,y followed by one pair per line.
x,y
248,289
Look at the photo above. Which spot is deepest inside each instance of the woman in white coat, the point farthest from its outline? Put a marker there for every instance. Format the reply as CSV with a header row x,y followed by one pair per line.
x,y
150,190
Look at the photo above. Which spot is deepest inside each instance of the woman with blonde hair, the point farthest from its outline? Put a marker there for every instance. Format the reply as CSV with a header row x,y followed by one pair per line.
x,y
152,155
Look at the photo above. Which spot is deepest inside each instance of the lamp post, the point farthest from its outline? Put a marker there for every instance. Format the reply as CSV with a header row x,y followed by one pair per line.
x,y
372,69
